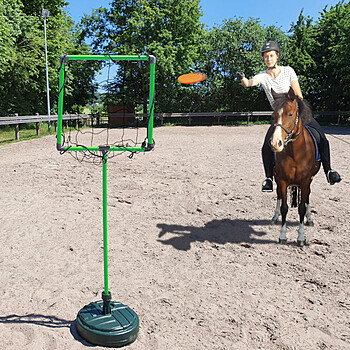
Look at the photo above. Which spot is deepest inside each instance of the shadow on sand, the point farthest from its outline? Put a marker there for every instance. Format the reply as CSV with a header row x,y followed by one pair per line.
x,y
217,231
45,321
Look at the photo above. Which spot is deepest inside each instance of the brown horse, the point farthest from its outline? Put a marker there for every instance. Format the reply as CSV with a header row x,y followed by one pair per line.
x,y
295,159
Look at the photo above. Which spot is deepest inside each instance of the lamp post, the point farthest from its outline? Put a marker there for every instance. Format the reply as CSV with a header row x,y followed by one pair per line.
x,y
45,13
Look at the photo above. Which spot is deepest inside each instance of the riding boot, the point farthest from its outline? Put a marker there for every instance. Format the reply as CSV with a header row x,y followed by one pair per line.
x,y
267,185
333,177
268,162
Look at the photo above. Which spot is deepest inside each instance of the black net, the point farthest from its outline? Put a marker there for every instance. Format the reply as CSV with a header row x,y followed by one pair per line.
x,y
117,114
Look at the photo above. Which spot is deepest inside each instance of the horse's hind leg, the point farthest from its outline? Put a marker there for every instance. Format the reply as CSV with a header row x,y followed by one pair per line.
x,y
301,235
309,221
282,193
277,212
302,211
283,234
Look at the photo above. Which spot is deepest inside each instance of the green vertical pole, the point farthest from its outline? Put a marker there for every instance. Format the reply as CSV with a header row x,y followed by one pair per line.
x,y
151,99
105,244
60,105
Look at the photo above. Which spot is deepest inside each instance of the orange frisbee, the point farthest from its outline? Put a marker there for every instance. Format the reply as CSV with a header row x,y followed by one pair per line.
x,y
191,78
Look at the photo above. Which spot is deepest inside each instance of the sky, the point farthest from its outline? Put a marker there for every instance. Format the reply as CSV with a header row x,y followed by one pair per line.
x,y
270,12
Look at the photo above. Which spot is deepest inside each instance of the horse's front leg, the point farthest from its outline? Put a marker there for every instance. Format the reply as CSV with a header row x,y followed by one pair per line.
x,y
282,194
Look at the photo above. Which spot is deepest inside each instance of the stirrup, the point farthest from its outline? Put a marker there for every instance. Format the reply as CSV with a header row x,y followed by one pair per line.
x,y
333,177
267,185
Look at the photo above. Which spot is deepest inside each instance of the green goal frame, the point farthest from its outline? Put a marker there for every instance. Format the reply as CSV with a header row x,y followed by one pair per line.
x,y
105,322
65,58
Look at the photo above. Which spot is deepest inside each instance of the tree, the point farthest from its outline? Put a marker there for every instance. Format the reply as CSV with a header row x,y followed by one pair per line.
x,y
331,53
169,29
299,54
23,83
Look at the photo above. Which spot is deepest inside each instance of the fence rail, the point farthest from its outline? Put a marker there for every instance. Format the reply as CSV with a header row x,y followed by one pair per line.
x,y
337,117
218,116
37,119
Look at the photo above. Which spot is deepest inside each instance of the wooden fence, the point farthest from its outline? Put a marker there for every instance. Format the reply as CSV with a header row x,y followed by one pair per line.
x,y
218,117
37,119
161,118
334,117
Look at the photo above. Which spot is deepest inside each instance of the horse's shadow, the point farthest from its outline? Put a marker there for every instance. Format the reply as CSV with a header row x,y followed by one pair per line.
x,y
215,231
45,321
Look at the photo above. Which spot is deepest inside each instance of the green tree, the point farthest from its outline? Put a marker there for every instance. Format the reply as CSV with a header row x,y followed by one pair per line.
x,y
9,30
34,7
23,83
299,54
19,59
169,29
331,53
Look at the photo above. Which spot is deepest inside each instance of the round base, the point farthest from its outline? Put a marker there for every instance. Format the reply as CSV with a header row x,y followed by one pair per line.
x,y
116,329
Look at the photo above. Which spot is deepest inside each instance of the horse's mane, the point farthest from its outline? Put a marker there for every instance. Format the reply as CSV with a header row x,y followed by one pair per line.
x,y
305,111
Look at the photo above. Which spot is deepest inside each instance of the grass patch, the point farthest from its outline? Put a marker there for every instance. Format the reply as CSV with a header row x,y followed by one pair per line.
x,y
26,132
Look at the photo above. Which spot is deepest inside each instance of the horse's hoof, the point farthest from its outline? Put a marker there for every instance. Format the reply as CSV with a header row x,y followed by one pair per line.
x,y
301,243
309,223
282,241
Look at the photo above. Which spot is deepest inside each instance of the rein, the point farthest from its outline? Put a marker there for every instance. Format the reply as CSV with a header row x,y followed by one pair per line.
x,y
290,132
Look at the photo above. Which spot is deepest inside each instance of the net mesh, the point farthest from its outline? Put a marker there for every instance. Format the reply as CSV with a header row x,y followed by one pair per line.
x,y
118,113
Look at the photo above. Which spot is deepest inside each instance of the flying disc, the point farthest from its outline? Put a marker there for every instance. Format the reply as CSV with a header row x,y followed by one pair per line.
x,y
191,78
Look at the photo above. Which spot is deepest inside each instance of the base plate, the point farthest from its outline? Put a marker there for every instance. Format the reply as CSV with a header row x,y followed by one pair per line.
x,y
116,329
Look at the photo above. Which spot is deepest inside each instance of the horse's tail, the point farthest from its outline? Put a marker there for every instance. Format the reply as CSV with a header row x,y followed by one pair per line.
x,y
295,195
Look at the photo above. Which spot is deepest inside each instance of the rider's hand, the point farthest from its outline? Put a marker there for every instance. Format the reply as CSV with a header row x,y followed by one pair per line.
x,y
240,75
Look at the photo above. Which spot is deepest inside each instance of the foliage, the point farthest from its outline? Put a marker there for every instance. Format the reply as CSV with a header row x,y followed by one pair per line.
x,y
320,54
300,52
332,54
22,54
169,29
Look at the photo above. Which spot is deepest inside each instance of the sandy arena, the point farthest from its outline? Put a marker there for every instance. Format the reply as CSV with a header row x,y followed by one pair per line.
x,y
191,247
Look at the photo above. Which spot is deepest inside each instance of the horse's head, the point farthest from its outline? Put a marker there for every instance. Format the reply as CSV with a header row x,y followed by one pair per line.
x,y
286,119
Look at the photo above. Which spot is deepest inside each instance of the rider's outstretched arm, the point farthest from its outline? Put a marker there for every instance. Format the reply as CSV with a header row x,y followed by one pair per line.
x,y
245,81
250,82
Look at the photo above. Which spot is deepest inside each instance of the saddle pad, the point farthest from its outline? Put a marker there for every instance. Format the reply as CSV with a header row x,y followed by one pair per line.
x,y
315,136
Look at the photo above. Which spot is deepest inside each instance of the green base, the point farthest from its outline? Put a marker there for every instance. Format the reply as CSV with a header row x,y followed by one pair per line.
x,y
115,329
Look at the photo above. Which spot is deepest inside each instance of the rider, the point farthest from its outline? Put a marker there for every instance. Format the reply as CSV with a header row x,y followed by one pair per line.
x,y
280,79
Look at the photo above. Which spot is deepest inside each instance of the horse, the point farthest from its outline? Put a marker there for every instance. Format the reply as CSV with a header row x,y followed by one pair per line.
x,y
295,159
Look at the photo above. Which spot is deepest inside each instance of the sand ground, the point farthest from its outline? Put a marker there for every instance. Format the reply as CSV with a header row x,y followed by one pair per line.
x,y
191,247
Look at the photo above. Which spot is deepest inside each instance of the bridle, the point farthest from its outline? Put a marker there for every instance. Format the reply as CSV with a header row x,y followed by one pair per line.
x,y
291,130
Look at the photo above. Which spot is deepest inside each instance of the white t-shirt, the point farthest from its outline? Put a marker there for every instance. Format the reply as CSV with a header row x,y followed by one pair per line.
x,y
280,84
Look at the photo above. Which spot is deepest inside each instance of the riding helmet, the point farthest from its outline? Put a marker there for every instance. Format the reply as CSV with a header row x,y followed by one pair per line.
x,y
270,46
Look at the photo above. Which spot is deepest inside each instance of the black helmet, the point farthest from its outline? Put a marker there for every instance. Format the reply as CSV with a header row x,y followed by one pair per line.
x,y
270,46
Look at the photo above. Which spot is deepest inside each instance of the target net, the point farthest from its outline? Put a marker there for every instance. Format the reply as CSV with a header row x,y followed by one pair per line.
x,y
126,96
